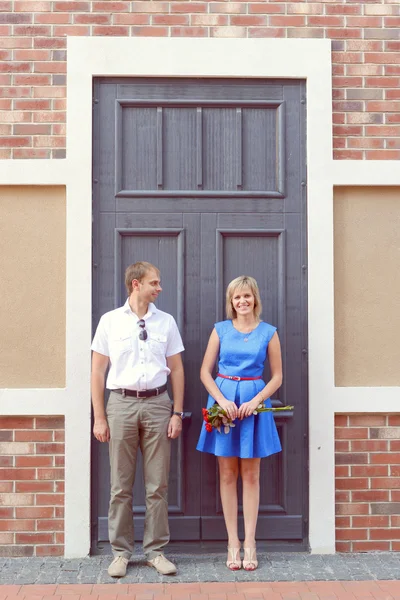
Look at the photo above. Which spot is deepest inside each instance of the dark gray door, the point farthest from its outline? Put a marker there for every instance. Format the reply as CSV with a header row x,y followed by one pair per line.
x,y
207,180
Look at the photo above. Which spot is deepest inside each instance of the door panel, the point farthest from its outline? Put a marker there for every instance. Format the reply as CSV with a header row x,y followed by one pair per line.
x,y
206,179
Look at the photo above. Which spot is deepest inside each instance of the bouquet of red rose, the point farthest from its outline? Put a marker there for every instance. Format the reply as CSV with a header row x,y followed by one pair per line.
x,y
216,418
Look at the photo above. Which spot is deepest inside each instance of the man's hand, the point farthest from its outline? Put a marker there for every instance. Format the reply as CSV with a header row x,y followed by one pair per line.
x,y
101,430
174,427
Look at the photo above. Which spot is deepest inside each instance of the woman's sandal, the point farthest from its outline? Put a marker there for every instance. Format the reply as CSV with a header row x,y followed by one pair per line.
x,y
233,562
250,562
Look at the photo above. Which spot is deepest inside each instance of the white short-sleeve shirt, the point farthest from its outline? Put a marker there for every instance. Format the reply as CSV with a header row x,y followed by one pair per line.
x,y
137,364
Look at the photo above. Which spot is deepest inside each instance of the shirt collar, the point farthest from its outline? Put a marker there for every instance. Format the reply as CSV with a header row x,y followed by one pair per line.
x,y
152,309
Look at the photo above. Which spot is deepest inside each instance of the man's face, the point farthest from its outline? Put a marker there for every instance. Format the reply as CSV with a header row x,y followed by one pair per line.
x,y
149,287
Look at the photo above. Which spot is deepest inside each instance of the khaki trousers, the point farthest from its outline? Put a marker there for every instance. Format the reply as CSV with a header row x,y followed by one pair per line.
x,y
134,423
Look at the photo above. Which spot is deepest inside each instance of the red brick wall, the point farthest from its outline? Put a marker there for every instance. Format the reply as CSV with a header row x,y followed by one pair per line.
x,y
31,486
365,57
367,482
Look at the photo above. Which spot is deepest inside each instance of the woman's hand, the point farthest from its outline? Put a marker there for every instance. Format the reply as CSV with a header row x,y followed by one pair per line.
x,y
230,408
247,408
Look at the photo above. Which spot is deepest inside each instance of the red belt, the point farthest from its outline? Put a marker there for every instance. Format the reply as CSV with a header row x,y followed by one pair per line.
x,y
235,378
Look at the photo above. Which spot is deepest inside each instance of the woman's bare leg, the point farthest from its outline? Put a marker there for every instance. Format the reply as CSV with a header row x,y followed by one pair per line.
x,y
228,476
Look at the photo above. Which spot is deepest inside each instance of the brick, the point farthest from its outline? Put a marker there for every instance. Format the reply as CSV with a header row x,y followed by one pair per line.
x,y
349,433
264,8
15,18
59,487
348,155
369,445
59,436
394,420
16,92
342,445
394,521
392,94
353,483
34,538
6,461
387,458
386,433
344,33
29,54
31,6
49,92
72,30
390,508
6,513
92,19
364,21
50,67
59,153
352,508
49,142
363,45
16,422
50,525
131,19
50,474
59,512
367,420
228,32
188,7
370,521
347,82
32,104
59,538
17,474
6,486
32,30
376,9
304,8
306,32
391,70
73,6
59,461
266,32
16,551
343,522
54,18
34,486
364,70
16,447
350,458
33,436
343,547
249,20
392,22
150,31
35,512
108,30
17,525
49,42
380,34
369,546
392,46
342,9
365,143
383,82
379,483
370,496
49,550
150,7
369,470
50,499
287,21
6,538
351,534
342,471
341,496
108,6
395,471
6,436
30,153
385,534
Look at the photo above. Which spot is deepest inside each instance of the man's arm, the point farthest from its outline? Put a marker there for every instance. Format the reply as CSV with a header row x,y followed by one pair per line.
x,y
99,367
174,363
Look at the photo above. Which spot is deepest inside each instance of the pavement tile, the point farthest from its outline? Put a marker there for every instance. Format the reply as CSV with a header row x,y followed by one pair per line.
x,y
75,588
187,588
213,588
145,588
11,590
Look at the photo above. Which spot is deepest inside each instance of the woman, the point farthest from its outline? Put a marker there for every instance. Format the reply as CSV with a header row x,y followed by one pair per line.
x,y
242,344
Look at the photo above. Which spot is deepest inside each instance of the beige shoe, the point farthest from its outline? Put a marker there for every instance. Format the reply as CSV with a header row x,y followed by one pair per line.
x,y
162,565
118,567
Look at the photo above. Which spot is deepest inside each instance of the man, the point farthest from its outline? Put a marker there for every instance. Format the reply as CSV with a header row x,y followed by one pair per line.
x,y
141,344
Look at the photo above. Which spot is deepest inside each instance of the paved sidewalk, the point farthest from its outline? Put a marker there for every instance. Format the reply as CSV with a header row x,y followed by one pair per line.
x,y
312,590
198,569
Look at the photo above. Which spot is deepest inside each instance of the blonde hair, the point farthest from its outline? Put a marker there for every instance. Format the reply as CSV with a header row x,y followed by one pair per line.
x,y
238,284
137,271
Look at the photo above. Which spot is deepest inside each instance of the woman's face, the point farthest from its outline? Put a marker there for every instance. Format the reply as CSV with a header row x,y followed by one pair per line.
x,y
243,301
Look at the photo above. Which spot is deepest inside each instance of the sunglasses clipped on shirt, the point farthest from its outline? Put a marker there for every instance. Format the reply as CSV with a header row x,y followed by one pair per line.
x,y
142,332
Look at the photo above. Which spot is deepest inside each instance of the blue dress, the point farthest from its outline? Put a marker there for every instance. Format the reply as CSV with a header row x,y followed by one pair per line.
x,y
243,355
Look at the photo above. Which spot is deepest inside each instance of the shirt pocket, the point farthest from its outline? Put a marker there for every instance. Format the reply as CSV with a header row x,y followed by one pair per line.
x,y
121,344
158,344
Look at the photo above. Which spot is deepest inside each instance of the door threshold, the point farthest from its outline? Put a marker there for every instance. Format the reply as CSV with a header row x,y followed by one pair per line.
x,y
218,547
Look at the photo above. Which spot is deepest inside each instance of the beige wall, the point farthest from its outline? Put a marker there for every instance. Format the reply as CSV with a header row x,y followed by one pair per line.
x,y
367,286
32,299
